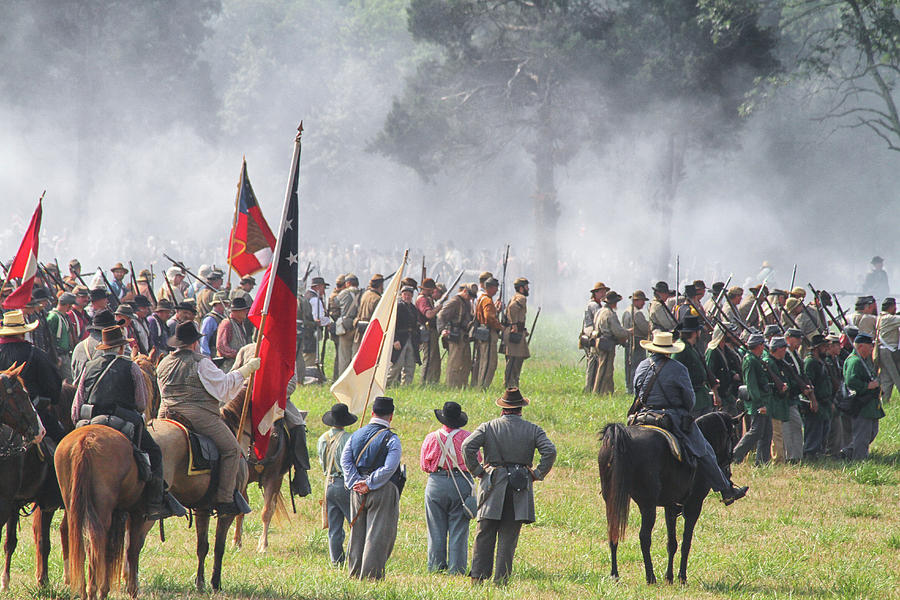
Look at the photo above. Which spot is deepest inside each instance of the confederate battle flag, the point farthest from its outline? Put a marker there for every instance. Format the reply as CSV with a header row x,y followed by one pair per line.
x,y
24,265
274,312
251,239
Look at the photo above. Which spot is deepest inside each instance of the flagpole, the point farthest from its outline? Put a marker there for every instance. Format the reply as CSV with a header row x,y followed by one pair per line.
x,y
273,272
237,199
6,279
380,349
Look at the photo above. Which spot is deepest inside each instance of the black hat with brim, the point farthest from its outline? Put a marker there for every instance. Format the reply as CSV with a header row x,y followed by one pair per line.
x,y
239,303
185,335
339,416
689,323
98,294
451,415
102,320
187,306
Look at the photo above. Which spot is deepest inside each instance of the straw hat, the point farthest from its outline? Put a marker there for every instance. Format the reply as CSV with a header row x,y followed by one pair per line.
x,y
14,324
663,343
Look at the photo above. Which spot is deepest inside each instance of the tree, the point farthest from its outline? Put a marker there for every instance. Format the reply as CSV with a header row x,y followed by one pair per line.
x,y
509,75
849,52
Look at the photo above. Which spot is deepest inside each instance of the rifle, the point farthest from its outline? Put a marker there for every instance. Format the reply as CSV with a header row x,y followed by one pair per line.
x,y
756,300
65,285
81,280
387,277
717,307
181,266
113,298
710,378
169,285
306,274
503,287
423,269
737,316
793,322
48,277
779,383
775,315
677,275
793,277
134,287
533,323
825,308
450,288
837,302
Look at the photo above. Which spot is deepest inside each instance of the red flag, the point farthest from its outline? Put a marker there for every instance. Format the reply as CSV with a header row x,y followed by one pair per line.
x,y
251,239
274,312
24,266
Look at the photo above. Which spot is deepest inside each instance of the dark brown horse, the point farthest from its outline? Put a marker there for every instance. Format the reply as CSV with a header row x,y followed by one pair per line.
x,y
25,475
635,462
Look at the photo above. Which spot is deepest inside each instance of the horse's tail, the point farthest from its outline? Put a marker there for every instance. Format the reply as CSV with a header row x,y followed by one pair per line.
x,y
281,515
115,548
613,462
81,516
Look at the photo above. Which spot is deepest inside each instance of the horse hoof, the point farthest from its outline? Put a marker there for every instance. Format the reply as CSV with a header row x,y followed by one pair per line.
x,y
200,585
262,548
651,581
614,578
4,583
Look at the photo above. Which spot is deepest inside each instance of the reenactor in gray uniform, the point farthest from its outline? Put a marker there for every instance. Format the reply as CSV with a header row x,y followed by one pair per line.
x,y
729,305
876,280
334,313
887,350
661,317
610,334
453,320
864,317
635,323
515,335
345,324
586,341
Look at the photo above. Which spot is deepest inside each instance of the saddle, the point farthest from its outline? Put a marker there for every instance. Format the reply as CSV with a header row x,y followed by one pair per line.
x,y
660,422
123,426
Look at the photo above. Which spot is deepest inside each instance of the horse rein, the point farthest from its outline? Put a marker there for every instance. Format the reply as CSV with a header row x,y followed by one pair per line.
x,y
21,422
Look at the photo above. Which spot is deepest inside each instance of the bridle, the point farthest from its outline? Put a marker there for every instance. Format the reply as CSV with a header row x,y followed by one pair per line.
x,y
22,423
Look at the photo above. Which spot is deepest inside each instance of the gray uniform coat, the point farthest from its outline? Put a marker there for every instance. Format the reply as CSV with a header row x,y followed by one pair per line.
x,y
517,439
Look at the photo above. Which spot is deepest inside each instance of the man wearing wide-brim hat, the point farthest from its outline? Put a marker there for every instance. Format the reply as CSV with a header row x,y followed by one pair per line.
x,y
515,335
638,327
209,326
664,384
452,322
118,287
661,317
86,349
733,297
205,294
337,497
693,360
429,348
876,280
231,335
588,334
158,323
610,334
41,378
487,335
60,328
191,386
345,325
506,489
860,378
112,384
865,315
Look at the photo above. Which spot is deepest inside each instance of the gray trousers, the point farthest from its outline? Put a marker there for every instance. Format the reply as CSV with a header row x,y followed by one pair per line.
x,y
373,535
839,433
888,374
404,369
590,371
448,523
792,432
486,353
430,353
632,360
815,434
513,371
864,432
759,436
345,352
502,534
337,502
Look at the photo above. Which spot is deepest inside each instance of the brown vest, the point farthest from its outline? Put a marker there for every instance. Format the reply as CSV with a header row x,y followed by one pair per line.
x,y
179,381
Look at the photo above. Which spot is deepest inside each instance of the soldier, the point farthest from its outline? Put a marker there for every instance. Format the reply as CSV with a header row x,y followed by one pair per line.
x,y
792,430
710,305
209,327
759,397
733,298
887,351
724,363
790,312
779,409
587,341
245,286
876,281
367,303
337,497
506,494
817,419
864,317
485,275
190,385
690,357
86,349
306,336
119,288
750,309
230,337
661,317
453,322
99,301
516,334
810,321
334,313
429,350
345,327
74,277
839,429
144,284
77,315
859,377
610,333
158,324
316,298
205,295
173,291
405,353
635,323
60,329
487,334
140,325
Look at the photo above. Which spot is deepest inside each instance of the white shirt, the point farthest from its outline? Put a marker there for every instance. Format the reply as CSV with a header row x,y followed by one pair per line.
x,y
318,311
221,386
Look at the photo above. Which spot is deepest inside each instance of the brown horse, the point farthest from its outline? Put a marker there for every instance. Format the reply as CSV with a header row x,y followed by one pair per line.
x,y
191,491
268,474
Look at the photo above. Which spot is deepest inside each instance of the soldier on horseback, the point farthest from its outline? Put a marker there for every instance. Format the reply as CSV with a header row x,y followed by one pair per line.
x,y
663,384
112,384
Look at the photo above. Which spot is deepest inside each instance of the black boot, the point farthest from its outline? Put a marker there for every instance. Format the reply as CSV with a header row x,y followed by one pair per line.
x,y
153,499
734,493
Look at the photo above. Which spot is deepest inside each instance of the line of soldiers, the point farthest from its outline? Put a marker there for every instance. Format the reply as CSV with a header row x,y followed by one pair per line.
x,y
472,326
809,392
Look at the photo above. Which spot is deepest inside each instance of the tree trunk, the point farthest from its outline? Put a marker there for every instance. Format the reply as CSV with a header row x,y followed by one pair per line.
x,y
671,172
546,215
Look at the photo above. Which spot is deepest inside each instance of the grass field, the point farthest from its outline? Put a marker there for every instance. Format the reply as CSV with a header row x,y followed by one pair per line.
x,y
827,530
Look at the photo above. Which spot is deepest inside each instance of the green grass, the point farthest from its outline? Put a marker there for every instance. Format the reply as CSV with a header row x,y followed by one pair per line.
x,y
823,530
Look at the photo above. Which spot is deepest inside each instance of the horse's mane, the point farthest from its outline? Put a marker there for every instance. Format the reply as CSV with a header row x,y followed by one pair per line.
x,y
231,412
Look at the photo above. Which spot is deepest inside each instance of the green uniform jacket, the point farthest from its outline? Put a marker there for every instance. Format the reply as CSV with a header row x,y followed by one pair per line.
x,y
818,376
780,407
690,358
756,378
58,325
857,377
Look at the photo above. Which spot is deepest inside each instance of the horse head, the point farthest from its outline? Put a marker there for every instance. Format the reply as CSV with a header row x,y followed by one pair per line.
x,y
16,409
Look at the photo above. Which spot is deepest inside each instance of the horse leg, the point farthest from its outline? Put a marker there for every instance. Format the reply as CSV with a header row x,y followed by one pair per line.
x,y
271,486
672,546
648,519
223,522
11,542
40,527
137,534
691,514
614,571
202,520
64,546
238,540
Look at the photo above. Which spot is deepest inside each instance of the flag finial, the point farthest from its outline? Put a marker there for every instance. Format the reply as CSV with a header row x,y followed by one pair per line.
x,y
299,130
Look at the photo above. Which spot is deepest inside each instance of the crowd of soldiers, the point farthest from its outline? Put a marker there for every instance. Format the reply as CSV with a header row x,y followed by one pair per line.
x,y
811,378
